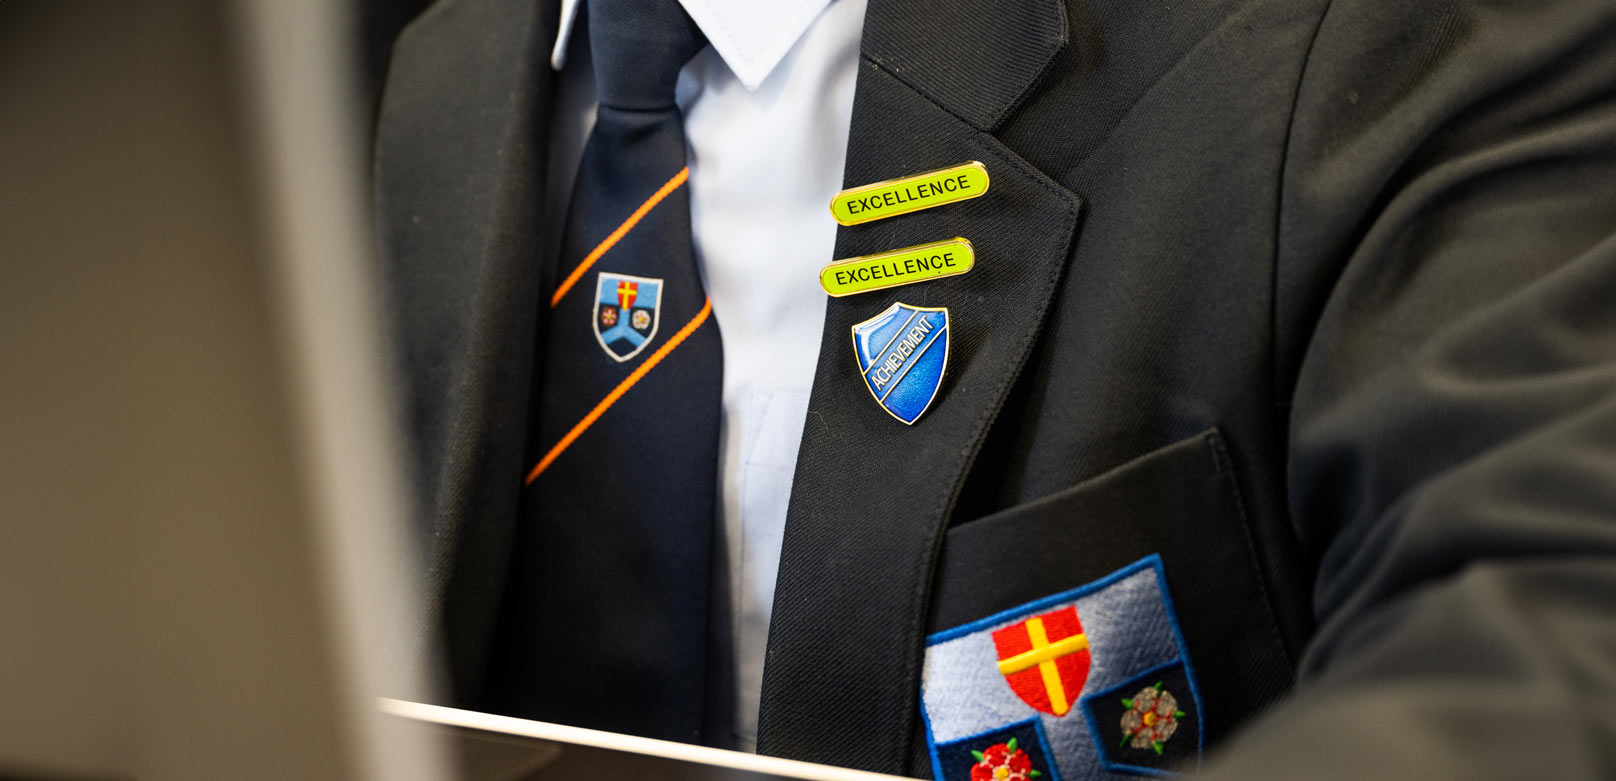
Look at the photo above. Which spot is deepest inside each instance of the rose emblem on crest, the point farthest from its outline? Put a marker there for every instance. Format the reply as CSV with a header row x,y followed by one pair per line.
x,y
1002,762
608,316
1150,719
642,319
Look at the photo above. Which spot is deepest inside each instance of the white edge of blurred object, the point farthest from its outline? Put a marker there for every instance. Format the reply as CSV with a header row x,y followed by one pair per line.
x,y
612,741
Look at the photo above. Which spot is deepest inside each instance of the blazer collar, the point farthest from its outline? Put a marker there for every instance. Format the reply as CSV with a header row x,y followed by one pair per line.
x,y
976,60
872,497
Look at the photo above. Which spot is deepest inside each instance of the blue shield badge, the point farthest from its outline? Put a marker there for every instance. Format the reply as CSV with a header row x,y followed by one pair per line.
x,y
903,353
626,313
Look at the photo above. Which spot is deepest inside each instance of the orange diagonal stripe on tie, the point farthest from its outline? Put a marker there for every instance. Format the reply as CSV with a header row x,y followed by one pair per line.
x,y
617,392
616,235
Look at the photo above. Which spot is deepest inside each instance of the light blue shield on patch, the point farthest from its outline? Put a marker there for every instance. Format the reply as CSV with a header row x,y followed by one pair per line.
x,y
903,354
986,687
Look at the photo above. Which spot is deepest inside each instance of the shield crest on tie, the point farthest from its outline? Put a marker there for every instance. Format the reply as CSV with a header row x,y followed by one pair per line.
x,y
903,355
1045,659
626,313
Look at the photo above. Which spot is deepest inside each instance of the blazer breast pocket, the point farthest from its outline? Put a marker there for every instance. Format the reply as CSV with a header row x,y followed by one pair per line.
x,y
1115,627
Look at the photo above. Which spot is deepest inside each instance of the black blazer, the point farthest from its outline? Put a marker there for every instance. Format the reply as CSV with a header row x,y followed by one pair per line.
x,y
1316,300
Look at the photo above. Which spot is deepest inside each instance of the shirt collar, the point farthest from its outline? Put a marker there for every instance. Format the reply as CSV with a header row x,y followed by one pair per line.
x,y
751,36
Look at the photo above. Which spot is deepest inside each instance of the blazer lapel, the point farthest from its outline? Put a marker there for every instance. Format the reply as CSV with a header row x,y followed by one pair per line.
x,y
872,496
461,144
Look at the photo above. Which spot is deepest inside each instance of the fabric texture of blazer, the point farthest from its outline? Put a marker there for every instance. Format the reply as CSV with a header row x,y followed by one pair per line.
x,y
1313,299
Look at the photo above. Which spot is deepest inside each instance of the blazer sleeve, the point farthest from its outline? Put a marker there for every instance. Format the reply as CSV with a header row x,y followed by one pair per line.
x,y
1446,310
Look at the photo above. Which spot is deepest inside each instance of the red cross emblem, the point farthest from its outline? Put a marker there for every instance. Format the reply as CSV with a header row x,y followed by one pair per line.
x,y
1045,659
626,291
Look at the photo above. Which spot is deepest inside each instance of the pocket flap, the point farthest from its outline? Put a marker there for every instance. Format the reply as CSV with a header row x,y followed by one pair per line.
x,y
1179,504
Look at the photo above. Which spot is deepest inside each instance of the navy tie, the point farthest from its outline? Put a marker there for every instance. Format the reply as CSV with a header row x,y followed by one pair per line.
x,y
606,621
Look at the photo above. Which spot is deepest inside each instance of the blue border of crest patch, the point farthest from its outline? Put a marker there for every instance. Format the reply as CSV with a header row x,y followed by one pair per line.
x,y
1154,562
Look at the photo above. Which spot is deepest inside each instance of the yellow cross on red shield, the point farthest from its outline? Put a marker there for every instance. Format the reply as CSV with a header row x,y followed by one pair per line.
x,y
626,292
1045,659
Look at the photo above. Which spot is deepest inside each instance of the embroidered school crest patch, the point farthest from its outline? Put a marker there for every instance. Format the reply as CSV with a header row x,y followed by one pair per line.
x,y
626,310
903,355
1091,683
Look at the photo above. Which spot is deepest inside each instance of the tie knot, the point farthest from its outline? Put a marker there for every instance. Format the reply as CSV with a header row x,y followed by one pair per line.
x,y
638,47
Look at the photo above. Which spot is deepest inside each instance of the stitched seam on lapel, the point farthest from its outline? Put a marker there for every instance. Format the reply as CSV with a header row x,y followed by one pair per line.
x,y
1009,107
915,89
921,596
1282,388
1064,38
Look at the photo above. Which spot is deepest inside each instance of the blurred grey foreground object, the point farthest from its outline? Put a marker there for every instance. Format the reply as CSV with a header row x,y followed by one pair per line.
x,y
197,562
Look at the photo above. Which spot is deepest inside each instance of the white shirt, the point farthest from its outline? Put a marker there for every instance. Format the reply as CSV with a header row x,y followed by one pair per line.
x,y
767,109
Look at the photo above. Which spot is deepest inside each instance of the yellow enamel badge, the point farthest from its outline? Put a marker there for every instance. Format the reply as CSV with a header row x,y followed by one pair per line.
x,y
898,267
909,194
